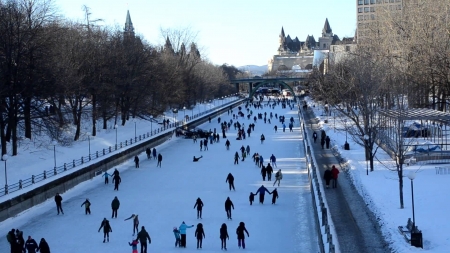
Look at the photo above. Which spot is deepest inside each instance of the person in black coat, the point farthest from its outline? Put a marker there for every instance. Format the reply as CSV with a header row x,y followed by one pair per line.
x,y
19,239
196,159
251,198
228,206
327,176
116,180
149,153
240,234
31,245
327,141
230,180
106,229
269,171
87,206
43,246
315,136
224,236
199,234
274,196
143,236
154,153
116,173
159,160
136,161
58,201
199,205
263,173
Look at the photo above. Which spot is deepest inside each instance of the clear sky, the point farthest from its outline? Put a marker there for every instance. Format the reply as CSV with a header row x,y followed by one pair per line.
x,y
236,32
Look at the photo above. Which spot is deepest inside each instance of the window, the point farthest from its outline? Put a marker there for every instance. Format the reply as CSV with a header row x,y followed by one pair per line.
x,y
391,1
360,2
366,17
379,1
399,7
360,10
324,45
366,1
360,17
366,9
372,1
372,16
372,9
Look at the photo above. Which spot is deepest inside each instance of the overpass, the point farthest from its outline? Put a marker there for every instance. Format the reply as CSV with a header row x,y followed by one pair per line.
x,y
271,81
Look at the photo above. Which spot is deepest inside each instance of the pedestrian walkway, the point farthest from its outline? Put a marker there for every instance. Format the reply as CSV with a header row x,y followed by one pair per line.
x,y
356,227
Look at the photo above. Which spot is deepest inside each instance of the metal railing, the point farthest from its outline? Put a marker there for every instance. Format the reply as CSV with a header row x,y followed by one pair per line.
x,y
98,154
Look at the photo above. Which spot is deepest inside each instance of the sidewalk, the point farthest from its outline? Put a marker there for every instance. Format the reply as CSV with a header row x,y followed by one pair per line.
x,y
356,227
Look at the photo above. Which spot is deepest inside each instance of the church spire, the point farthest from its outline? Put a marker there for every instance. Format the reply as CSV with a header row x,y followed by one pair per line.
x,y
129,29
326,29
282,32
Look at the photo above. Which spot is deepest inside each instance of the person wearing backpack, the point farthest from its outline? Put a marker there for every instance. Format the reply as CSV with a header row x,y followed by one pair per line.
x,y
278,177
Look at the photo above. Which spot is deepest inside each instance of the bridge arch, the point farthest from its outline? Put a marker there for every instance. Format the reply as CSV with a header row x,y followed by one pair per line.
x,y
259,84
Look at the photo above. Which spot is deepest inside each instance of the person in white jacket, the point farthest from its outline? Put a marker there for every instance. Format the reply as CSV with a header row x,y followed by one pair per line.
x,y
278,177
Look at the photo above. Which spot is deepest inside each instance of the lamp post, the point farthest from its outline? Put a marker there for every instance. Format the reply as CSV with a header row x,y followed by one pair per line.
x,y
54,152
4,158
151,124
184,113
416,236
115,126
164,121
89,141
366,143
346,145
134,120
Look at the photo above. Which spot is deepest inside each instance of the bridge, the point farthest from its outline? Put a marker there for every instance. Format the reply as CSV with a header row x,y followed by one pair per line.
x,y
271,81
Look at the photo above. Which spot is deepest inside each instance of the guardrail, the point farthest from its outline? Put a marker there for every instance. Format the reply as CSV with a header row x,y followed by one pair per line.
x,y
98,154
324,223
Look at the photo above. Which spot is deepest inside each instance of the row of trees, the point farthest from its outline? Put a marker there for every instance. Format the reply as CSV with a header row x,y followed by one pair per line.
x,y
402,63
73,68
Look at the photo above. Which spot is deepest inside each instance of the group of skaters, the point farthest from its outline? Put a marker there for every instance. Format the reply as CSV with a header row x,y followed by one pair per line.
x,y
19,245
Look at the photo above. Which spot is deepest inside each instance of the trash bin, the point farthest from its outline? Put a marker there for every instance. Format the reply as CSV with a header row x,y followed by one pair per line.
x,y
346,146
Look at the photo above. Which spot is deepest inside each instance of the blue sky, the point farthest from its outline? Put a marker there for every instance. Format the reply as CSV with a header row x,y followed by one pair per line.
x,y
236,32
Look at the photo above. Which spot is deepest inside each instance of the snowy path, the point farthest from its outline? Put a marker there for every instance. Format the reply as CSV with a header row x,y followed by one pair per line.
x,y
164,197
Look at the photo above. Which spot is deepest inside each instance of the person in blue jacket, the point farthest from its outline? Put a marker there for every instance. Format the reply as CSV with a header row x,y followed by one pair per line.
x,y
176,233
154,153
182,229
262,190
106,175
261,161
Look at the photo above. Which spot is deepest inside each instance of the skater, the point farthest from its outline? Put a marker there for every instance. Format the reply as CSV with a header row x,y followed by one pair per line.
x,y
273,160
43,246
194,138
276,128
58,200
247,150
136,161
87,206
31,245
315,136
269,171
154,153
106,175
176,233
263,173
142,236
133,245
115,204
251,198
201,145
224,236
135,222
240,234
205,144
284,127
236,158
327,176
149,153
159,160
116,173
262,190
106,229
182,229
261,161
199,234
334,173
227,144
230,180
116,180
199,205
262,138
228,206
327,141
278,177
274,196
195,159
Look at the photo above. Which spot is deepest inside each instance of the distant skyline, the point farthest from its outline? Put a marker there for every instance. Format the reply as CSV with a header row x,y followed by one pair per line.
x,y
236,32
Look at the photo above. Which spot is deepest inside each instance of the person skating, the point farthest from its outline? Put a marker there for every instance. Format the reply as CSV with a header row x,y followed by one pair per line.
x,y
200,235
228,206
159,160
115,204
199,205
176,233
43,246
236,158
274,196
116,180
327,175
20,240
182,229
58,201
230,180
273,160
133,245
261,191
247,149
205,144
136,161
251,198
224,236
149,153
154,153
244,155
195,159
227,144
242,150
135,222
87,206
240,234
278,177
106,229
276,128
261,161
263,173
106,175
334,173
315,136
262,138
11,238
31,245
201,145
269,171
142,236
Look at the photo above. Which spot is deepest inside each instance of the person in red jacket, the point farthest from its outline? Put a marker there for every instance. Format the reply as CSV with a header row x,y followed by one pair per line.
x,y
334,174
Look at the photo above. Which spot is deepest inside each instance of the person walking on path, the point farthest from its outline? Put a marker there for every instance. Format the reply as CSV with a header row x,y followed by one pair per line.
x,y
31,245
274,196
327,176
224,236
182,229
230,180
149,153
199,234
43,246
106,229
87,206
262,138
278,177
236,158
315,136
261,191
240,234
154,153
136,161
199,205
159,160
323,135
115,204
334,173
58,201
269,171
263,173
176,233
327,141
142,236
106,175
228,206
116,180
227,144
273,160
135,222
133,245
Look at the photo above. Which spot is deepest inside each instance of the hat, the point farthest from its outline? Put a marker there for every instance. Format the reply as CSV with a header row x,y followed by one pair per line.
x,y
174,228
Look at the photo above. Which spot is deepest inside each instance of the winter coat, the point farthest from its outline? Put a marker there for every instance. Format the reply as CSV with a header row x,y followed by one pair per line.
x,y
269,169
176,233
43,246
183,228
159,158
228,204
273,158
224,233
31,246
262,190
236,155
154,152
106,174
133,245
261,159
230,178
199,232
58,199
240,231
136,159
279,175
10,237
263,171
116,179
147,151
199,204
334,172
143,236
106,226
115,204
274,194
327,175
86,204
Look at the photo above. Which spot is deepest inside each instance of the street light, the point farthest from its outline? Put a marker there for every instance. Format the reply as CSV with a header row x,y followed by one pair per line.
x,y
115,127
346,145
151,124
412,176
366,143
54,151
184,115
4,158
89,140
134,120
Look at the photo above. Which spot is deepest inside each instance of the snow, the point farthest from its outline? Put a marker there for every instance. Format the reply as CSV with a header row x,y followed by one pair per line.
x,y
164,197
380,190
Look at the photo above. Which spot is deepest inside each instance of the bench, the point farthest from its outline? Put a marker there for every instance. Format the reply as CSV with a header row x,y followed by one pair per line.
x,y
442,170
407,230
